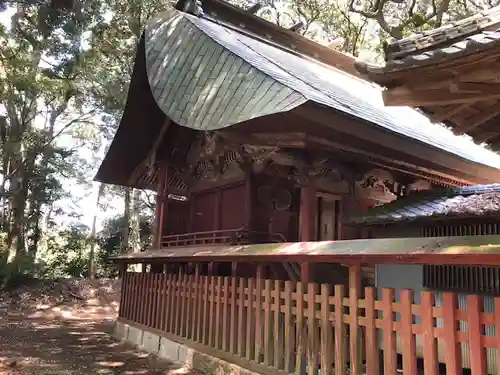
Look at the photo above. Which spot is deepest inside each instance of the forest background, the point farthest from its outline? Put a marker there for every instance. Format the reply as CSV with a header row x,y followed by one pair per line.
x,y
65,66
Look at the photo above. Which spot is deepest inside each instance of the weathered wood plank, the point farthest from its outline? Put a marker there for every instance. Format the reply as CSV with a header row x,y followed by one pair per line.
x,y
277,326
299,318
453,353
326,331
477,350
372,342
340,332
407,337
388,334
267,342
289,332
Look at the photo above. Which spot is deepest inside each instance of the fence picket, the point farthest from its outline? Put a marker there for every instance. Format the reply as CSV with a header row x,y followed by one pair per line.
x,y
189,306
354,331
407,337
170,302
429,341
299,329
250,320
289,334
225,313
372,342
212,298
477,351
205,328
389,337
218,308
312,330
497,332
267,343
163,304
242,317
453,353
258,320
326,331
182,290
340,332
232,314
278,331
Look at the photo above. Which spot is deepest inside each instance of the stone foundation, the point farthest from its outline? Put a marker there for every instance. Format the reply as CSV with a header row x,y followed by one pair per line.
x,y
187,358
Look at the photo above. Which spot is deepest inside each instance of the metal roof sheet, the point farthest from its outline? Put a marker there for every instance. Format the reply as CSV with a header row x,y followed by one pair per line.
x,y
307,79
341,250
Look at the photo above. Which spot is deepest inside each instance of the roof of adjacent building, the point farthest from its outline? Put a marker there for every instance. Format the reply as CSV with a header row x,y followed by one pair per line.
x,y
386,250
467,36
471,201
450,73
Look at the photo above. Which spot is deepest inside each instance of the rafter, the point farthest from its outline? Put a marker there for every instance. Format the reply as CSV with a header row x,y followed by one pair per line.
x,y
443,114
486,136
481,88
402,96
478,119
150,160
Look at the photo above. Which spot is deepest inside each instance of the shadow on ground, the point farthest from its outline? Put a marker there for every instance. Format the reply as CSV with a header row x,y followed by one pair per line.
x,y
57,346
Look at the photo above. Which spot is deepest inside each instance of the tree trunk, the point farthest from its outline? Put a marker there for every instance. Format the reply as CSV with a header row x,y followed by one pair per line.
x,y
92,260
125,245
135,236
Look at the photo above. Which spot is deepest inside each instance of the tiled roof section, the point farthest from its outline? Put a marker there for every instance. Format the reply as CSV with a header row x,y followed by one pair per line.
x,y
479,200
329,87
445,35
469,36
475,43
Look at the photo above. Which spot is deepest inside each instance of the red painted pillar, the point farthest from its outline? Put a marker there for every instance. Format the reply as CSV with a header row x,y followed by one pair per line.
x,y
308,213
161,205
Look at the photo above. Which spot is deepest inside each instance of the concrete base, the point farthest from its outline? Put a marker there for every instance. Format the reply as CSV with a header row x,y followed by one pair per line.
x,y
187,358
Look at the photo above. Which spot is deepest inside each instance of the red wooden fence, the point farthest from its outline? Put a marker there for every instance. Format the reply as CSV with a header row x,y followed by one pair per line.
x,y
297,327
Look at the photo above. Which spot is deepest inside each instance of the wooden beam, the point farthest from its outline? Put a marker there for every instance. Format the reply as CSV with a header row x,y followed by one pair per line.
x,y
486,136
402,96
479,119
447,112
296,139
161,205
151,158
385,162
480,88
308,213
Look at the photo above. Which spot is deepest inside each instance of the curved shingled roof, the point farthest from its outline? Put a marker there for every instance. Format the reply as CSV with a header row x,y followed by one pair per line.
x,y
198,68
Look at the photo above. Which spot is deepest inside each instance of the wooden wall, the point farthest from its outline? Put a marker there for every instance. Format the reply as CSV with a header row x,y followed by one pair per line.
x,y
264,219
219,208
176,219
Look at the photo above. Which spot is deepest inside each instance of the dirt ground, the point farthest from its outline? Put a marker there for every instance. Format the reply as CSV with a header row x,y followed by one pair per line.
x,y
63,328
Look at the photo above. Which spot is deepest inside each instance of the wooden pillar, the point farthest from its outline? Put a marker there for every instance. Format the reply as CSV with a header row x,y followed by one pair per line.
x,y
248,201
305,272
355,331
161,205
218,209
308,217
308,213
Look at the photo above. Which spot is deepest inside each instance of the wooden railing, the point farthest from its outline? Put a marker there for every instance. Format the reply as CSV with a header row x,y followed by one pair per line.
x,y
309,328
227,236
